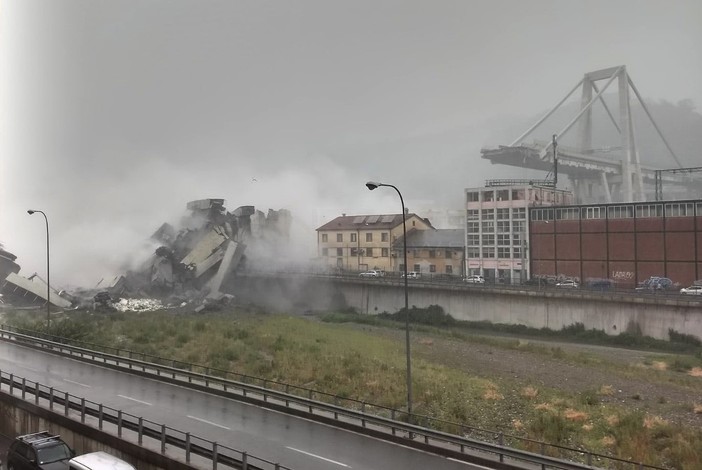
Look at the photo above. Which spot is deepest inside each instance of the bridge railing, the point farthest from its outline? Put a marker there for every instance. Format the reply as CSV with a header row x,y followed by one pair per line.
x,y
452,439
137,429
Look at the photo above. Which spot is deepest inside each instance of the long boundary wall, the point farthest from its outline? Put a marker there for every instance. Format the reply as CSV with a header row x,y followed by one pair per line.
x,y
613,314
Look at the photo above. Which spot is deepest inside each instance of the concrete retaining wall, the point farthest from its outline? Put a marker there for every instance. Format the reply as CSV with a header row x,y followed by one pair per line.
x,y
538,309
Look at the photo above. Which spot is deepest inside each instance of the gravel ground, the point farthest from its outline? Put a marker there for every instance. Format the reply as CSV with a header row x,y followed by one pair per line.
x,y
636,378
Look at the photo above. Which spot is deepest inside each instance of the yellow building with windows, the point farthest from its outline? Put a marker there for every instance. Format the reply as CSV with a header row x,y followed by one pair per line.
x,y
362,242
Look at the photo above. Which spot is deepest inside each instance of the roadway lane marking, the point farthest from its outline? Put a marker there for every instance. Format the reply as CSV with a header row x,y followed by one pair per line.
x,y
209,422
134,399
77,383
468,463
317,456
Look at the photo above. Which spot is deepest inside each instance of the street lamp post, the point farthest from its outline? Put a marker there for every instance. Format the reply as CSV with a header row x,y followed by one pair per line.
x,y
372,185
48,284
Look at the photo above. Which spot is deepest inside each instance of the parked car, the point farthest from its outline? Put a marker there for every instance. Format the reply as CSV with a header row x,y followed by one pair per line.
x,y
98,461
692,290
371,273
475,279
38,451
568,284
655,283
412,275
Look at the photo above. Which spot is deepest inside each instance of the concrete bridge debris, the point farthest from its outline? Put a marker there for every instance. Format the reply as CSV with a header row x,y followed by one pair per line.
x,y
190,262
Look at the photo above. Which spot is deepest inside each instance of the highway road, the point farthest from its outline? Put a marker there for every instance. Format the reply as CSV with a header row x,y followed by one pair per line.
x,y
297,443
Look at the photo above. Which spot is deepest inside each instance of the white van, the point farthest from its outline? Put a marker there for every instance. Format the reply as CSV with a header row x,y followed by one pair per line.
x,y
98,461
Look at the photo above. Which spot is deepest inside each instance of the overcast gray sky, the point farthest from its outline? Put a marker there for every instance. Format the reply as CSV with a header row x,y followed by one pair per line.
x,y
116,113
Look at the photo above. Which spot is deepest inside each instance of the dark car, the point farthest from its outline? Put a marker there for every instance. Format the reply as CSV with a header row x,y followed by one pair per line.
x,y
38,451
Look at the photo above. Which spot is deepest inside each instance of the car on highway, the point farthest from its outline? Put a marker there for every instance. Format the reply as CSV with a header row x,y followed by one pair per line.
x,y
38,451
474,279
655,283
692,290
568,284
412,275
371,273
98,461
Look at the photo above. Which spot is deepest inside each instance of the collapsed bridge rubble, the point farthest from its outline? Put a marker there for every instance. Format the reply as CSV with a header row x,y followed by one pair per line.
x,y
195,260
190,262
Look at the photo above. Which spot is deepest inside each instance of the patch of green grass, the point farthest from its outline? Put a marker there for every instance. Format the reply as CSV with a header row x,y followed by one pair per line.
x,y
336,358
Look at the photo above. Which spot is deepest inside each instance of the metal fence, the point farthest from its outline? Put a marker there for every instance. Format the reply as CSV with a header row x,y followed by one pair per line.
x,y
457,440
137,428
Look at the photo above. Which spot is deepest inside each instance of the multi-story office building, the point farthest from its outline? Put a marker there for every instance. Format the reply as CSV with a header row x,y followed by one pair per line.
x,y
496,233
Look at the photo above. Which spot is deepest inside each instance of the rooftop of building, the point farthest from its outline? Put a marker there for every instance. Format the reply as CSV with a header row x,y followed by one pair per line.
x,y
375,222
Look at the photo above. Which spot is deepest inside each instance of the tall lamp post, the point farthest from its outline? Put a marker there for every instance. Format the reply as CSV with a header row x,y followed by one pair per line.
x,y
48,284
372,185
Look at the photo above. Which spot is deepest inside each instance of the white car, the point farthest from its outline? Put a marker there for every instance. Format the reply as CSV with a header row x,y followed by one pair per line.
x,y
98,461
475,279
569,284
692,290
412,275
371,273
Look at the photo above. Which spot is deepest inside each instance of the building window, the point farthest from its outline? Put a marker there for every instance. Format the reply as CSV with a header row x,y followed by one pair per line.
x,y
503,252
644,211
593,212
449,269
503,239
488,196
568,214
432,268
384,237
473,227
516,239
517,194
416,268
503,195
354,252
473,239
416,253
541,214
339,252
325,251
488,226
401,268
488,252
432,253
369,251
518,226
472,196
620,212
503,226
487,214
384,252
519,213
325,238
472,214
517,251
448,254
473,252
353,237
488,239
502,214
369,237
680,210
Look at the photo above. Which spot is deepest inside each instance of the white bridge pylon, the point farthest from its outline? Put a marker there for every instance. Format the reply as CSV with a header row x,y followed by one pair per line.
x,y
591,174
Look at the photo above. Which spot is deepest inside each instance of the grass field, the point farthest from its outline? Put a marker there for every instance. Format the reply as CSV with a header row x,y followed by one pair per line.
x,y
347,359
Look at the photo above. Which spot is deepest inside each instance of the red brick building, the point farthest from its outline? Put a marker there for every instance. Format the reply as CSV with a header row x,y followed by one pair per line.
x,y
625,242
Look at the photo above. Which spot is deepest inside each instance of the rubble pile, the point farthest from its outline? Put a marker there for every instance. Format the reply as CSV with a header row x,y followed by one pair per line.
x,y
190,263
